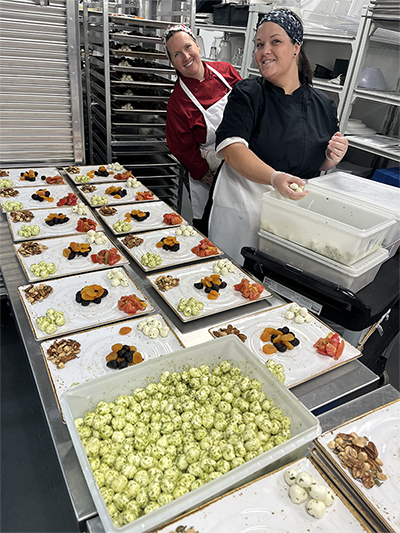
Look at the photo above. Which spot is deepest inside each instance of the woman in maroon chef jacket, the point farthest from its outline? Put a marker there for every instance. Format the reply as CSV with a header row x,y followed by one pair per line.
x,y
194,112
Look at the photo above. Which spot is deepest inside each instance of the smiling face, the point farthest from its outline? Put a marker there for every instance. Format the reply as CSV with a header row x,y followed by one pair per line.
x,y
276,55
185,55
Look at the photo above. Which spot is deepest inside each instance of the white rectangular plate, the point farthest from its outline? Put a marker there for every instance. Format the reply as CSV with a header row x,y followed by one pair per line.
x,y
64,266
96,345
154,221
182,256
14,175
25,197
130,196
303,362
382,427
228,299
76,316
68,228
264,505
96,179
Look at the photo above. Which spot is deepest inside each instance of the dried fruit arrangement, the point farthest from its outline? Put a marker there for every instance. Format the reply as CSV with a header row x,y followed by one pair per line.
x,y
281,340
123,356
91,294
53,219
116,192
211,285
170,244
75,249
360,456
137,215
62,351
41,195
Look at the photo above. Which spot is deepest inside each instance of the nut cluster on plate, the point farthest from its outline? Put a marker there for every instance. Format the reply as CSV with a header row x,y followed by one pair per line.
x,y
36,293
60,352
360,456
31,248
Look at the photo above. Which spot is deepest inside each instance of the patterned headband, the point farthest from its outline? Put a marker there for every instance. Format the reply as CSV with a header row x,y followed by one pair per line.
x,y
287,20
174,29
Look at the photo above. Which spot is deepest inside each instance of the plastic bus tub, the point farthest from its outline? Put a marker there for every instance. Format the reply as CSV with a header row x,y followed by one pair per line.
x,y
371,194
354,277
83,398
328,223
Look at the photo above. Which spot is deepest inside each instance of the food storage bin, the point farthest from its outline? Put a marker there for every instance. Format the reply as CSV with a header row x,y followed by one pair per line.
x,y
354,277
370,193
328,223
83,398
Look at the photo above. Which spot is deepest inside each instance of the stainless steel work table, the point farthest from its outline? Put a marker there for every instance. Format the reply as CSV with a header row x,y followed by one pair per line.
x,y
351,378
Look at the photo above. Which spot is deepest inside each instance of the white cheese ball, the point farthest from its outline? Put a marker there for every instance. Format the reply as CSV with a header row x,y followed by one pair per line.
x,y
178,232
141,325
297,494
289,315
315,508
164,331
303,311
154,333
294,186
304,480
224,271
299,319
294,308
329,498
290,476
221,263
186,233
146,329
318,492
308,318
115,282
216,269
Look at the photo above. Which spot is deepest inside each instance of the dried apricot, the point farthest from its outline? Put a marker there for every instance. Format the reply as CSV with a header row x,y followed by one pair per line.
x,y
125,331
269,349
116,347
137,358
112,356
265,336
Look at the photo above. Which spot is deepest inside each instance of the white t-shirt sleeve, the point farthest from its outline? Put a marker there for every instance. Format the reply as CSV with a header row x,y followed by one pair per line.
x,y
227,142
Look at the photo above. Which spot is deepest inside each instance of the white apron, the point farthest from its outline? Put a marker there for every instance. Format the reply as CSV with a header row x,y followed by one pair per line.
x,y
236,212
212,118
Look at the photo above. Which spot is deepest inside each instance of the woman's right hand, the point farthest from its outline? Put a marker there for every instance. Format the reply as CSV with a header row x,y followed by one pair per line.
x,y
282,183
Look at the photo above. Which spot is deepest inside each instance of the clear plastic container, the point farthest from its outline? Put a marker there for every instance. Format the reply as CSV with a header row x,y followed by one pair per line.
x,y
328,223
354,277
369,193
83,398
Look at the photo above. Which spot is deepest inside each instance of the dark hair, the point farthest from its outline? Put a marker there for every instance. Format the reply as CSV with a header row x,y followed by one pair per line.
x,y
304,68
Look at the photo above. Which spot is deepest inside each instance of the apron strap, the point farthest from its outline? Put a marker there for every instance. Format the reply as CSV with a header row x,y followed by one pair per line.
x,y
191,96
209,204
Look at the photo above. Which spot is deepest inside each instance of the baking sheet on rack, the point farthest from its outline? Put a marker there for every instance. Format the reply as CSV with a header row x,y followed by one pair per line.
x,y
68,228
77,317
153,222
182,256
64,266
130,193
264,505
229,298
96,345
382,427
25,196
303,362
14,175
96,179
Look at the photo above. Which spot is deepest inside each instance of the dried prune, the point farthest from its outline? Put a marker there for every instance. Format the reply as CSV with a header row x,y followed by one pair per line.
x,y
280,347
112,364
295,342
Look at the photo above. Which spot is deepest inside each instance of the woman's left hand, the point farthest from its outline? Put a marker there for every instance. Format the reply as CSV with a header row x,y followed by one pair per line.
x,y
337,148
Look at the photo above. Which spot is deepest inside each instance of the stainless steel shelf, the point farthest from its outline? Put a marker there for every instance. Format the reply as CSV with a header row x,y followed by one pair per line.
x,y
384,97
226,29
326,85
382,152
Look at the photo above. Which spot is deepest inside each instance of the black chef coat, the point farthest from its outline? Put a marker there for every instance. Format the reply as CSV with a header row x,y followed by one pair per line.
x,y
290,133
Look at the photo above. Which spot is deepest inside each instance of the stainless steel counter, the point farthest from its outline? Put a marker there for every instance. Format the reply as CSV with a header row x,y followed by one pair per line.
x,y
320,391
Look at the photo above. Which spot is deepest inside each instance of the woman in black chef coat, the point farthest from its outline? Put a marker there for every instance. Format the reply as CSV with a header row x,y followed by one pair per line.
x,y
277,130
